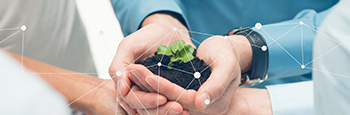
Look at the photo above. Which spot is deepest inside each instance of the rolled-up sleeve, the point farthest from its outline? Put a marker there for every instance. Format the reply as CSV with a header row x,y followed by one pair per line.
x,y
285,39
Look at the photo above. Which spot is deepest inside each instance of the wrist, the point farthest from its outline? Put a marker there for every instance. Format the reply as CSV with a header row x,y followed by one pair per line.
x,y
86,94
243,51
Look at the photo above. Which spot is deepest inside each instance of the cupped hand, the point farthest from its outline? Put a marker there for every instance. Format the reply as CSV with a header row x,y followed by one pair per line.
x,y
227,57
157,29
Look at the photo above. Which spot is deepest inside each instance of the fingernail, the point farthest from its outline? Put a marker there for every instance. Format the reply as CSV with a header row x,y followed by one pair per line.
x,y
120,86
150,81
205,99
172,111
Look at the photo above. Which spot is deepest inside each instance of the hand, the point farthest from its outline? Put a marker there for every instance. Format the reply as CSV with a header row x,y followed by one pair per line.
x,y
250,101
156,30
104,101
81,91
227,59
245,101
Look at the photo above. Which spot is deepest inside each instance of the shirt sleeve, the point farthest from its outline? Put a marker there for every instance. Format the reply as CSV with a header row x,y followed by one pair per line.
x,y
131,13
292,99
290,43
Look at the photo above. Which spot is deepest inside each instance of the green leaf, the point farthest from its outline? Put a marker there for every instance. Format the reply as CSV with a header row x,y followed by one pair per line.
x,y
162,49
186,57
187,53
177,46
174,59
189,49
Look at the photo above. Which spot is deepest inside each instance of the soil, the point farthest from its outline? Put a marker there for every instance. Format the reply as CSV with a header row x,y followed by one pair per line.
x,y
175,74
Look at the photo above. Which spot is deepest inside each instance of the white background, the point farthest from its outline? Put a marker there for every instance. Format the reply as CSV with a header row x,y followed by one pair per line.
x,y
98,15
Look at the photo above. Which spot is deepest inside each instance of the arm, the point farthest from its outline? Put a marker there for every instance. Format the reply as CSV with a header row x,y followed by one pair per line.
x,y
74,86
132,13
281,64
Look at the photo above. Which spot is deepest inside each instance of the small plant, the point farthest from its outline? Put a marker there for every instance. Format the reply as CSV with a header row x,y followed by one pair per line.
x,y
179,52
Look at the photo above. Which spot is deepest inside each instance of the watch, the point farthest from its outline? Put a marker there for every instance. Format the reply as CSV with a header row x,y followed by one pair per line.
x,y
260,61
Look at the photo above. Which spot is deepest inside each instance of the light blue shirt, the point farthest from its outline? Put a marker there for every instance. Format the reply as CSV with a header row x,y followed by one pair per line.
x,y
220,16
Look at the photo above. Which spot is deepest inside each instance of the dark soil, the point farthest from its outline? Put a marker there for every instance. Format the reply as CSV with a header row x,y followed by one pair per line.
x,y
175,74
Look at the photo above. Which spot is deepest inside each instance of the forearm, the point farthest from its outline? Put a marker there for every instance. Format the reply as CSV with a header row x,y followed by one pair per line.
x,y
71,84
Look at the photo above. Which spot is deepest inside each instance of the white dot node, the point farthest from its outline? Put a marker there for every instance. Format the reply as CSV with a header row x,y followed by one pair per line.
x,y
159,64
302,66
263,48
119,73
258,25
207,101
222,56
301,22
197,75
23,27
101,32
174,28
225,37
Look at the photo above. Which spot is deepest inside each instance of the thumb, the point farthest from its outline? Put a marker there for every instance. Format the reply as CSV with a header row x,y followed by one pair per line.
x,y
214,88
118,72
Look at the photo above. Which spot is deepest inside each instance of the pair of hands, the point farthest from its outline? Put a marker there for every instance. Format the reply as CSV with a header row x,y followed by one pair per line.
x,y
138,87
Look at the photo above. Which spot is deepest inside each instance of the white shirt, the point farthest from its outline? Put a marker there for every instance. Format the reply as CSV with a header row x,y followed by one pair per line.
x,y
26,94
331,72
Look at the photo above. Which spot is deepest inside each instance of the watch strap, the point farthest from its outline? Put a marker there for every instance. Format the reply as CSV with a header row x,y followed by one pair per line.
x,y
260,57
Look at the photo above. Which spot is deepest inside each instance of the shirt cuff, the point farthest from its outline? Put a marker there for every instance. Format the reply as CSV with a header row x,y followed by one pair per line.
x,y
292,99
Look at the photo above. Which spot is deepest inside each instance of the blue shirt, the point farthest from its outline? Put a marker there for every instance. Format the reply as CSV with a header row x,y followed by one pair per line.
x,y
218,17
281,29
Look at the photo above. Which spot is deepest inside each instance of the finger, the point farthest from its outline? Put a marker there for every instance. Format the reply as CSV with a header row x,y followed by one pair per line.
x,y
170,108
135,80
172,91
120,110
122,60
223,73
185,112
123,84
125,107
221,105
139,73
138,99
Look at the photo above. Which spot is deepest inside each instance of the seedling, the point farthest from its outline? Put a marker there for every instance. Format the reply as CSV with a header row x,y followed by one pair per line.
x,y
179,51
